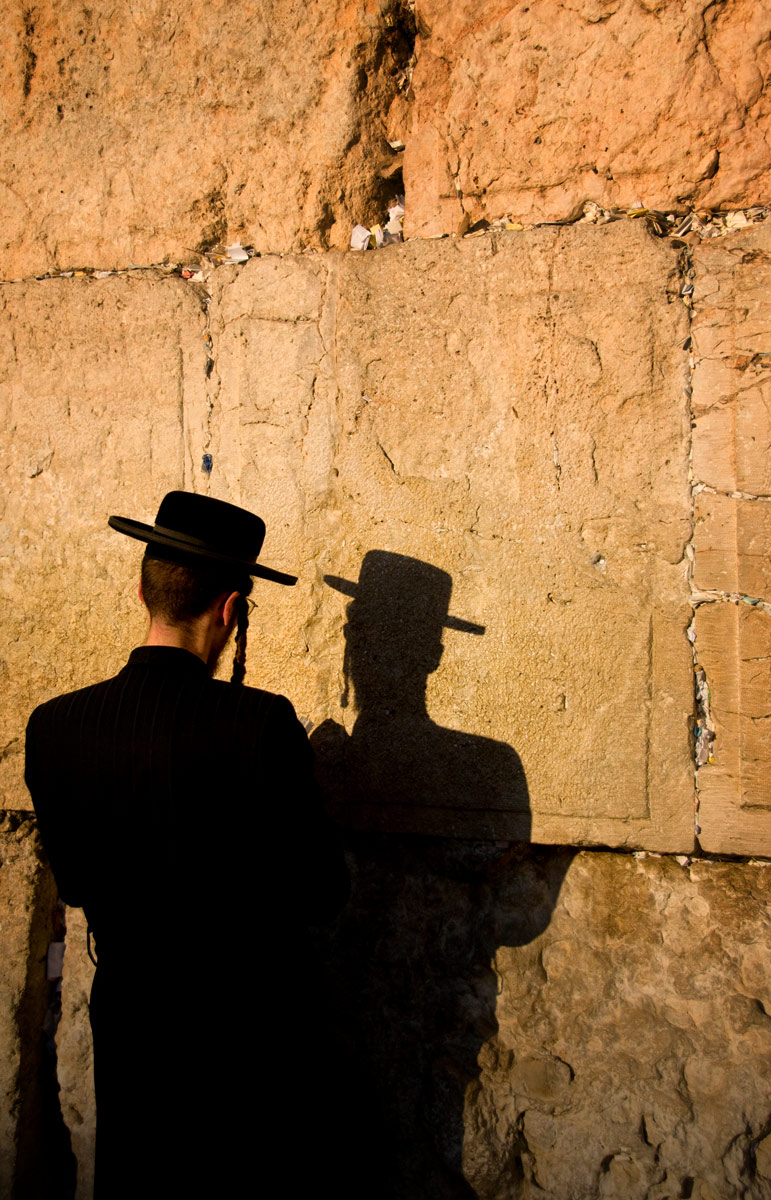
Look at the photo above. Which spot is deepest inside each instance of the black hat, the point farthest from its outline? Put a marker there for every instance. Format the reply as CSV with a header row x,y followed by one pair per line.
x,y
203,529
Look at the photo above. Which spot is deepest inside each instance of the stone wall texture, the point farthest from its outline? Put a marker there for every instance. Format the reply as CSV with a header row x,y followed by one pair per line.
x,y
136,135
18,875
632,1056
34,1146
732,535
501,423
92,415
533,109
523,477
161,133
75,1053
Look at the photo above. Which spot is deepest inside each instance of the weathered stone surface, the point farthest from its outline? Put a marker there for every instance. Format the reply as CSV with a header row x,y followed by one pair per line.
x,y
103,410
633,1053
551,1024
29,1115
732,533
500,425
618,1038
733,644
75,1053
486,407
732,363
731,544
533,109
139,136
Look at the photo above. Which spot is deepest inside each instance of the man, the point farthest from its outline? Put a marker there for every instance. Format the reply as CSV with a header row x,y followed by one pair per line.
x,y
181,813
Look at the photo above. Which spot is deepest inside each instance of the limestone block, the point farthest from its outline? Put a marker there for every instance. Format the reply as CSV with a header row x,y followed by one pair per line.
x,y
732,363
75,1053
632,1054
733,645
103,410
509,411
533,109
140,136
731,544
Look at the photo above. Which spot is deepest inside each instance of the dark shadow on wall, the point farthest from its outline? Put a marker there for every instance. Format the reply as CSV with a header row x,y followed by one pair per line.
x,y
437,828
399,771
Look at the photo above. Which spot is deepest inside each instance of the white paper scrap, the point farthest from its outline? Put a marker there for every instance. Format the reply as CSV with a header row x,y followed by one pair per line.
x,y
359,238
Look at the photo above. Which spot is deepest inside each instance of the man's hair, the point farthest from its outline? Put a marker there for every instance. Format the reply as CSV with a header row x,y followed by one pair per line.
x,y
179,592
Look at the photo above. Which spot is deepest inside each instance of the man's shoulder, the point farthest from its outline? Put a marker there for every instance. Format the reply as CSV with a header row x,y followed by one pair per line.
x,y
242,698
68,701
250,718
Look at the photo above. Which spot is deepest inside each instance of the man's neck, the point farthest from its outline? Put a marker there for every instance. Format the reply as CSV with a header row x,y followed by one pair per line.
x,y
194,638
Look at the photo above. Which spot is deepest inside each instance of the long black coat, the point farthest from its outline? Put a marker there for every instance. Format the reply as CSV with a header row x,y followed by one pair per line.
x,y
181,813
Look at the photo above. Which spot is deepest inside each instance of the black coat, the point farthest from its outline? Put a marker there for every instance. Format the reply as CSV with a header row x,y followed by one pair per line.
x,y
181,813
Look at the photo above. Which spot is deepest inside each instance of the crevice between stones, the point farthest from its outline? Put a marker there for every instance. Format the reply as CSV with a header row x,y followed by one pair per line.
x,y
201,264
702,731
212,380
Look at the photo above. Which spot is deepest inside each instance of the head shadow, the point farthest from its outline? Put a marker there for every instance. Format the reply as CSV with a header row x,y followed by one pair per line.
x,y
399,771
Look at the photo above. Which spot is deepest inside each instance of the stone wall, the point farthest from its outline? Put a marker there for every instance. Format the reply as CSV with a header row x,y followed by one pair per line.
x,y
157,133
513,411
523,478
731,394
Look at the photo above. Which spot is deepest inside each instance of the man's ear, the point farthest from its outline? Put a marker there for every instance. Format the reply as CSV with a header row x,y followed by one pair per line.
x,y
229,608
141,594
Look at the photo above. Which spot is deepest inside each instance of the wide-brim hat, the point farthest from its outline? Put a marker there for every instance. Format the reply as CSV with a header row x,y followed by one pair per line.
x,y
199,529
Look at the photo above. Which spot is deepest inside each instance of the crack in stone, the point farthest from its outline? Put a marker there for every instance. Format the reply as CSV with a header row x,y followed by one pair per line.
x,y
5,750
698,598
388,459
703,730
698,488
213,383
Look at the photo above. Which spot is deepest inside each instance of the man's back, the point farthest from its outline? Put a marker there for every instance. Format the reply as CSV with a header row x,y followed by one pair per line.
x,y
180,812
163,779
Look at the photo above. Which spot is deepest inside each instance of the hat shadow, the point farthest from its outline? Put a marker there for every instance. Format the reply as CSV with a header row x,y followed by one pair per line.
x,y
399,771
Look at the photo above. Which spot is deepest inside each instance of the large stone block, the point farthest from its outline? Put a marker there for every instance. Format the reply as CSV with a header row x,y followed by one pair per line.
x,y
731,544
632,1054
533,109
102,385
509,411
732,363
150,134
733,644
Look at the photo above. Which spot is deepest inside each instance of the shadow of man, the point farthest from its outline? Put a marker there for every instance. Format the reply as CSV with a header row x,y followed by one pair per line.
x,y
437,823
